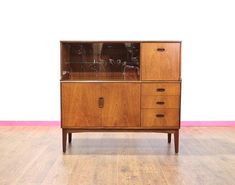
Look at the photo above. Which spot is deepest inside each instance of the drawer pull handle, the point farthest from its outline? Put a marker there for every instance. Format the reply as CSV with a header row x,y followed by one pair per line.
x,y
160,102
161,49
159,115
160,90
101,102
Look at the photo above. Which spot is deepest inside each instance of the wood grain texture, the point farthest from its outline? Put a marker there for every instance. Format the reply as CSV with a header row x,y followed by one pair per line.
x,y
160,101
160,61
80,104
32,156
151,88
167,118
121,104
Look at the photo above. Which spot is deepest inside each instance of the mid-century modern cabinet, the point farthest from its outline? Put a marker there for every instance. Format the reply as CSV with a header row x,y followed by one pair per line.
x,y
120,86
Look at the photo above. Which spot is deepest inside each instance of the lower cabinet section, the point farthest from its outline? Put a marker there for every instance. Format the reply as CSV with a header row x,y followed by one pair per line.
x,y
161,118
121,106
100,105
113,104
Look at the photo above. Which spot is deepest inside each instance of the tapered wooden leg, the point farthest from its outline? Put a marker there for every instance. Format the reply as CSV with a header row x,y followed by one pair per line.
x,y
64,139
70,137
169,137
176,140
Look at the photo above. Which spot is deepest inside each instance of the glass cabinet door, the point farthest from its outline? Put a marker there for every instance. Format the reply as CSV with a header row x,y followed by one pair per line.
x,y
100,61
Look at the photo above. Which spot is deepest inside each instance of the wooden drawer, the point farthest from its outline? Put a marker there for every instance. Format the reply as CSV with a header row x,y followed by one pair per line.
x,y
160,101
160,118
160,61
160,89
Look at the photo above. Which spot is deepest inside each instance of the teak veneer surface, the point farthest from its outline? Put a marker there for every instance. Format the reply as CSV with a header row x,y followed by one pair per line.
x,y
160,101
160,61
170,118
80,104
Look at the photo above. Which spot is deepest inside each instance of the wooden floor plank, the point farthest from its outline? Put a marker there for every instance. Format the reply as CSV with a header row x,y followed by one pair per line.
x,y
33,156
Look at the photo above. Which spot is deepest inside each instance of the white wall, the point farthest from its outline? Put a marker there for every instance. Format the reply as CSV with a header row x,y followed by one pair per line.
x,y
29,49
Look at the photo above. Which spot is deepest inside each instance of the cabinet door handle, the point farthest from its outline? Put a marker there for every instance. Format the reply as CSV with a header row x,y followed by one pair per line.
x,y
160,115
160,90
160,102
101,102
161,49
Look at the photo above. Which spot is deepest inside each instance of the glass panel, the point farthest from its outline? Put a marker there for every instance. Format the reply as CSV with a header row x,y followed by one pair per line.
x,y
100,61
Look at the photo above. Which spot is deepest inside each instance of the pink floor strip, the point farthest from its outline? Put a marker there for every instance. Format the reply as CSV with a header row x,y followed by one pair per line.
x,y
208,123
29,123
183,123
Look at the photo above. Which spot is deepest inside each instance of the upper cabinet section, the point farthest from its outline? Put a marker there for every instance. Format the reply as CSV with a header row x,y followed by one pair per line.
x,y
160,61
100,60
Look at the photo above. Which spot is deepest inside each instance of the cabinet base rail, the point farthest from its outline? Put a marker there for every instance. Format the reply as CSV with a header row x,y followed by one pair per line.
x,y
68,132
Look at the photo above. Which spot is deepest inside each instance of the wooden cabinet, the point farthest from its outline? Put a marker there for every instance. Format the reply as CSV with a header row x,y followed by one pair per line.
x,y
120,86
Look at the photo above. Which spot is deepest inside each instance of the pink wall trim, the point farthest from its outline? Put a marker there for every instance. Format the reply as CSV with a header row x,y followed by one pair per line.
x,y
208,123
29,123
183,123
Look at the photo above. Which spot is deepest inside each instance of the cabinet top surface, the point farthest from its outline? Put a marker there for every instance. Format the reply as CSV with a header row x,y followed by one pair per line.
x,y
121,81
138,41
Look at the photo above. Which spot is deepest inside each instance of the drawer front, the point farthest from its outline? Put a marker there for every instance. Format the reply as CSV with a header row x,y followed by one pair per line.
x,y
160,101
160,61
161,118
160,89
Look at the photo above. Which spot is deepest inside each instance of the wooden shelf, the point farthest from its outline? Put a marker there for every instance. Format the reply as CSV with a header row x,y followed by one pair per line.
x,y
109,76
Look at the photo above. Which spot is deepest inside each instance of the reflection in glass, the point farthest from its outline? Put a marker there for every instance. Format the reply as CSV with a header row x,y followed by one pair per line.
x,y
108,61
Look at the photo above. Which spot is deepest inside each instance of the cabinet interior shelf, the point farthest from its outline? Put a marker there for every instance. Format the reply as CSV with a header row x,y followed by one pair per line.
x,y
112,76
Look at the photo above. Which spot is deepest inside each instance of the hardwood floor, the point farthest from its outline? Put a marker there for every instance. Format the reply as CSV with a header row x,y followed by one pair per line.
x,y
33,156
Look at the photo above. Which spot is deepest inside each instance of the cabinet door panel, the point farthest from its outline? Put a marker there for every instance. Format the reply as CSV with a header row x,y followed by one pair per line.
x,y
121,105
160,61
80,105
